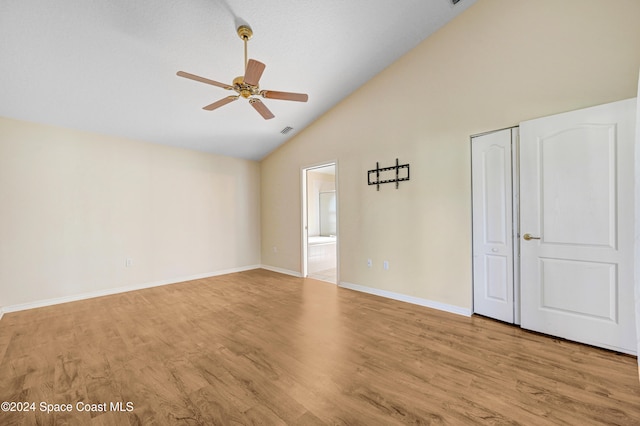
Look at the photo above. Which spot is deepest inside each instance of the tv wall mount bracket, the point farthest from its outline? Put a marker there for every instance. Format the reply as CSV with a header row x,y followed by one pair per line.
x,y
374,176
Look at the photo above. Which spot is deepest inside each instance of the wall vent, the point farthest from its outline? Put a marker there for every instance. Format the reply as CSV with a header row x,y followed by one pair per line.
x,y
286,130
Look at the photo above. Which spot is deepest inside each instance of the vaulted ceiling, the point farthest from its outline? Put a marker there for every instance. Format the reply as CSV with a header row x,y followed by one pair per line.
x,y
110,66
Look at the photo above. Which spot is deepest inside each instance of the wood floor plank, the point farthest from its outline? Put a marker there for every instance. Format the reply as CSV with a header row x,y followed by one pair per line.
x,y
259,347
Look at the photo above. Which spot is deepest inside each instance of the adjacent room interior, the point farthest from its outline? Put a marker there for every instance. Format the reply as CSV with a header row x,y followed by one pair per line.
x,y
320,223
270,258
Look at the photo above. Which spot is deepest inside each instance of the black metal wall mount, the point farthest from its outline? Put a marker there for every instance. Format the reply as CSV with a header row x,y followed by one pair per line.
x,y
397,179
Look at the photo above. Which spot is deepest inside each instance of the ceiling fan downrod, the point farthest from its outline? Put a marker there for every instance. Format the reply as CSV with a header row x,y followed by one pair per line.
x,y
245,33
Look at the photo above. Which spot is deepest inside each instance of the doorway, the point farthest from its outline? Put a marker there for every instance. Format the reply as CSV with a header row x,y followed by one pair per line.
x,y
553,225
320,223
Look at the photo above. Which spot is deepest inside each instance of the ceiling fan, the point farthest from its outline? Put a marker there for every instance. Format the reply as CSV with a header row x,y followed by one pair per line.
x,y
247,86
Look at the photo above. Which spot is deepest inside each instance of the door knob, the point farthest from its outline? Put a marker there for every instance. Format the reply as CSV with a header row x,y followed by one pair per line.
x,y
529,237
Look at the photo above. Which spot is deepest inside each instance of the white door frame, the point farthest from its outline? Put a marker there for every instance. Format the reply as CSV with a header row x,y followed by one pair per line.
x,y
515,170
304,221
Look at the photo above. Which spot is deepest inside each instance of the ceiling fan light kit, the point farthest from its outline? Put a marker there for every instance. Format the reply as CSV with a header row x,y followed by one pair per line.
x,y
247,86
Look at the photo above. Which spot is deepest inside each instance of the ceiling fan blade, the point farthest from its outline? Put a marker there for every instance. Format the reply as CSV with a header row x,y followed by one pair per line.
x,y
203,80
261,108
220,103
254,72
285,96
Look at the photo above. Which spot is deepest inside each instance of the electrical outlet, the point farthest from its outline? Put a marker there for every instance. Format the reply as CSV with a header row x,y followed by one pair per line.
x,y
369,263
128,263
385,265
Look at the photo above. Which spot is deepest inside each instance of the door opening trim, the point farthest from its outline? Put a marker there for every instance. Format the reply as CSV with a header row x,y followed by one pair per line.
x,y
305,216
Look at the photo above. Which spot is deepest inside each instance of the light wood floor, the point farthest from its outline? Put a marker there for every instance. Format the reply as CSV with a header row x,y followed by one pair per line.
x,y
328,275
263,348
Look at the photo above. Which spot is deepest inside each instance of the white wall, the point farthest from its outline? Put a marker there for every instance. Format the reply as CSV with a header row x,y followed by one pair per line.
x,y
497,64
75,205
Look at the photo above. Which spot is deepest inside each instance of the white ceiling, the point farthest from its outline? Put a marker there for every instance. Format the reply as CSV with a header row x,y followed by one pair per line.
x,y
110,66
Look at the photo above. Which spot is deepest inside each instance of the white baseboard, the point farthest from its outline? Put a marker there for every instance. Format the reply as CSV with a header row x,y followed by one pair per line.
x,y
409,299
281,271
1,313
116,290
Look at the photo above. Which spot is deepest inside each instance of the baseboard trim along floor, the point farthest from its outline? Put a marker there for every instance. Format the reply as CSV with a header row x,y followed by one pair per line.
x,y
116,290
281,271
409,299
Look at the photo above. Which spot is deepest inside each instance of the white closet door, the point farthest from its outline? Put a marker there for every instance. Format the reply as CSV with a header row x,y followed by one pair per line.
x,y
492,225
576,202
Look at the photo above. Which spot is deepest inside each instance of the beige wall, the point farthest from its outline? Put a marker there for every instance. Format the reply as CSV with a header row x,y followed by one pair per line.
x,y
499,63
75,205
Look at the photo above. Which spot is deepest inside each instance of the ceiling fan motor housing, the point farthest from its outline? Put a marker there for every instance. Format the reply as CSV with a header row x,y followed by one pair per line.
x,y
245,90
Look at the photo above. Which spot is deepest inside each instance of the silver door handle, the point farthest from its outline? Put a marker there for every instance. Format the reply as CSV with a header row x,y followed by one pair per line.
x,y
529,237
